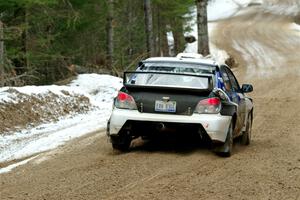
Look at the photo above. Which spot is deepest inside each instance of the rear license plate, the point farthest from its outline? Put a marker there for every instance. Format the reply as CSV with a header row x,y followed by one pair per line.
x,y
162,106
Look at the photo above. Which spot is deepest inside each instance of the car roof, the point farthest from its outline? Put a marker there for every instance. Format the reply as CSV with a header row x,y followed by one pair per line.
x,y
203,61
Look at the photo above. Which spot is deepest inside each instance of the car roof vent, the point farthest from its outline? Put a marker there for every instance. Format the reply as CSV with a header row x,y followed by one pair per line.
x,y
194,56
209,58
189,55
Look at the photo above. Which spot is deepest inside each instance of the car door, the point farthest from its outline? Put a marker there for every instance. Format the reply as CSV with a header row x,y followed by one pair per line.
x,y
233,90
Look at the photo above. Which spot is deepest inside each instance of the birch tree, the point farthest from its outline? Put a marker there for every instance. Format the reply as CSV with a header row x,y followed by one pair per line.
x,y
203,45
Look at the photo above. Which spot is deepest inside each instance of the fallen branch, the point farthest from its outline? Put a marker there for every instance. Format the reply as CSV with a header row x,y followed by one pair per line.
x,y
16,79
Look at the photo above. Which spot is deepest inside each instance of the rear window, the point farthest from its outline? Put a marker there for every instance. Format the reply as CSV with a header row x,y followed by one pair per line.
x,y
161,79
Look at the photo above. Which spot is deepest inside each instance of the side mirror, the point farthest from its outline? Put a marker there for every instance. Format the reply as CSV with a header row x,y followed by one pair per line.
x,y
246,88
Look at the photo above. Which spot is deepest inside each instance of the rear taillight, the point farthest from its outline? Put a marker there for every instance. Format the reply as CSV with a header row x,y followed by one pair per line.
x,y
125,101
209,106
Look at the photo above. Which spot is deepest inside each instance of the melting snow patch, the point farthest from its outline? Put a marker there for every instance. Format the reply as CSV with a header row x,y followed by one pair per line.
x,y
283,8
217,9
52,135
99,89
295,27
11,167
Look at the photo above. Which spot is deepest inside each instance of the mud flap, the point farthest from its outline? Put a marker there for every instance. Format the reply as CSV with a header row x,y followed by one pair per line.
x,y
228,109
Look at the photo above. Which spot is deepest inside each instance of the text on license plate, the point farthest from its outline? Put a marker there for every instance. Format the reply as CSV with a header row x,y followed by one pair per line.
x,y
162,106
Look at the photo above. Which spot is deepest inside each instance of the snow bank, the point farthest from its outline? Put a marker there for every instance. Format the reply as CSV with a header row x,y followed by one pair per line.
x,y
51,135
288,8
99,89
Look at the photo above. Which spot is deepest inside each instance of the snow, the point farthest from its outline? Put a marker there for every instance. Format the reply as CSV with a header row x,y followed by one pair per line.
x,y
221,9
218,54
295,27
5,97
217,9
170,40
288,8
100,89
49,136
11,167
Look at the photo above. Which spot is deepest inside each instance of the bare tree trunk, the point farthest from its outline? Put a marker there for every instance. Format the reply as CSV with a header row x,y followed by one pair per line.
x,y
26,19
129,28
157,31
149,28
25,38
165,49
203,46
176,36
1,55
110,34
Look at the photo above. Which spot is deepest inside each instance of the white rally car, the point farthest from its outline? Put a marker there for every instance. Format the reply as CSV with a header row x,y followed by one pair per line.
x,y
187,91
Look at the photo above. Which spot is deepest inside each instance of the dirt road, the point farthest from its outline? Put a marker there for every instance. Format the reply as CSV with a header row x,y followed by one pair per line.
x,y
268,52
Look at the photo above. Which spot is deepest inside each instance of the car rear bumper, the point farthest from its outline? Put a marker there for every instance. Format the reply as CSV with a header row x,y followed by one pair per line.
x,y
215,125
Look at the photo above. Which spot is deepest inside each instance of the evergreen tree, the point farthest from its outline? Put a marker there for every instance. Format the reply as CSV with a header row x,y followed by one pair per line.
x,y
49,40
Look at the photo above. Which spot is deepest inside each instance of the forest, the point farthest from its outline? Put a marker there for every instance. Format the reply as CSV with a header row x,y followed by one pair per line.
x,y
44,41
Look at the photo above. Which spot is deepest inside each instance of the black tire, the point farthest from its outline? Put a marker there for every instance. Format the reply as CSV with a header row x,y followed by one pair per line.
x,y
246,137
123,146
225,150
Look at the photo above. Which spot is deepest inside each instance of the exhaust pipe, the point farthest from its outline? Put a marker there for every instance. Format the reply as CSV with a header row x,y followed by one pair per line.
x,y
160,126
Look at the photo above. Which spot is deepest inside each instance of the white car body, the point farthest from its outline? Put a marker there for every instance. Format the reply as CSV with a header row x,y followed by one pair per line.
x,y
207,95
215,125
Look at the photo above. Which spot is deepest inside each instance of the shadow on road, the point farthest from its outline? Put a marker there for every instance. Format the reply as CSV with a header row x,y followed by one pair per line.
x,y
175,142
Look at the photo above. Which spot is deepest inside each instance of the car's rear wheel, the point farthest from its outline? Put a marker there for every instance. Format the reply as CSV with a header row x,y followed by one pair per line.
x,y
121,142
246,137
121,147
225,150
